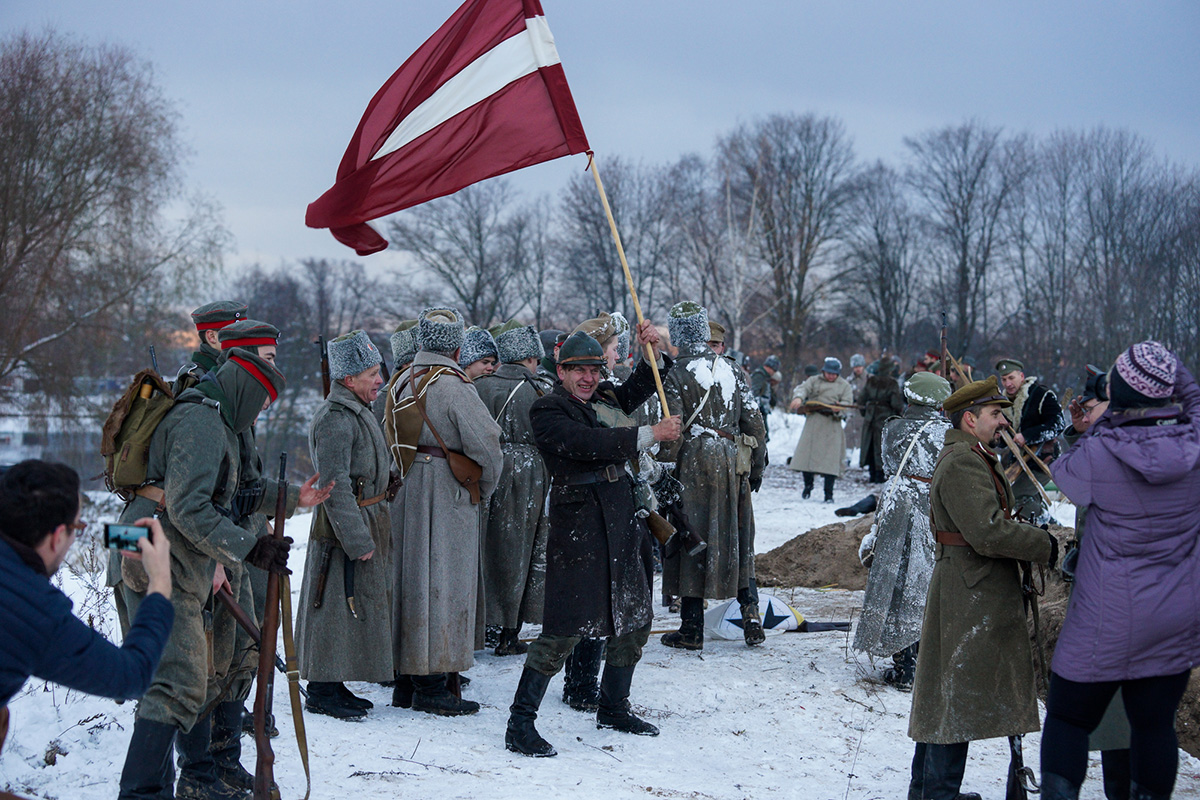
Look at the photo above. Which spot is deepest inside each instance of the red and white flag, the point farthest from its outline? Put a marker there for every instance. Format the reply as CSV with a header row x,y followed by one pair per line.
x,y
485,95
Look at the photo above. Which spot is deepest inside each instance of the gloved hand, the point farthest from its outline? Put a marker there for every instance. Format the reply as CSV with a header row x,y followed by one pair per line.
x,y
271,554
1053,545
1069,563
756,483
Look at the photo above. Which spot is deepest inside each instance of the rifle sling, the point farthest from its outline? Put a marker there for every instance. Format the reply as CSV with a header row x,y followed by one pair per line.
x,y
465,470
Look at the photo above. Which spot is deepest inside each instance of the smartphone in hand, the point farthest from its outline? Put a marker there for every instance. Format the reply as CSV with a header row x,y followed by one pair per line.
x,y
123,537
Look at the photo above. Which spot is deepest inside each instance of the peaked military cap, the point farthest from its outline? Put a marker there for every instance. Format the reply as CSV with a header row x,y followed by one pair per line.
x,y
581,349
716,332
973,395
1007,365
215,316
248,333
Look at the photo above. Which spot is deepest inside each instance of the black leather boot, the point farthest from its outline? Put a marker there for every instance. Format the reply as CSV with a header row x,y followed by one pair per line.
x,y
248,724
864,506
752,629
226,745
1141,793
431,696
521,736
690,635
402,691
614,703
808,485
1056,787
198,770
324,698
581,677
351,698
509,644
148,773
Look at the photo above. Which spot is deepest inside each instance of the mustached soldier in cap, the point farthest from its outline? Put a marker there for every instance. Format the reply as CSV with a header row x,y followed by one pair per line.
x,y
1036,420
975,673
599,560
514,544
254,504
438,588
707,391
209,320
347,635
192,480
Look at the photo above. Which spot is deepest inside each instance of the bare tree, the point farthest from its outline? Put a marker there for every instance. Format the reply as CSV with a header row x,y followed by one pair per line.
x,y
793,170
964,176
529,248
89,163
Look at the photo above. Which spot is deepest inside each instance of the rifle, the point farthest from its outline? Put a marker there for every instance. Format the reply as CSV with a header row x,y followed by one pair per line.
x,y
325,381
1021,782
685,535
326,547
242,618
945,350
384,372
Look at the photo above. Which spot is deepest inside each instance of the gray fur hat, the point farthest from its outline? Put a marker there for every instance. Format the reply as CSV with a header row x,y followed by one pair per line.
x,y
519,343
404,344
476,344
857,360
832,365
687,322
352,353
623,335
439,330
772,361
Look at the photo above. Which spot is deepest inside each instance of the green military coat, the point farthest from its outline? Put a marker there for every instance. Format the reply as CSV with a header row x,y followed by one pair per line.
x,y
975,673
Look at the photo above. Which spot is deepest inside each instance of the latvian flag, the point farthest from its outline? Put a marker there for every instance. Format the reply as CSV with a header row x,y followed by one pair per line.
x,y
484,96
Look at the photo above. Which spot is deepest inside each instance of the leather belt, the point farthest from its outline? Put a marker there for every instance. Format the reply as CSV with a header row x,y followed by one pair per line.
x,y
952,538
153,493
370,501
920,478
431,450
610,474
723,434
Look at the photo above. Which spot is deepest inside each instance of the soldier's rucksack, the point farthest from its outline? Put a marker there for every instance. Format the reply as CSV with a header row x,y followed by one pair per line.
x,y
125,438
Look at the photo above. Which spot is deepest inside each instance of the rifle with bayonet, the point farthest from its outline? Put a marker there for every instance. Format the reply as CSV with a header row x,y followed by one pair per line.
x,y
326,554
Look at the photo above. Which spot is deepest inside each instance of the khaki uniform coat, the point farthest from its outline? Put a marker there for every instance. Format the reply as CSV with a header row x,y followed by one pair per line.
x,y
437,627
706,465
514,542
975,673
822,445
854,422
894,604
190,452
347,447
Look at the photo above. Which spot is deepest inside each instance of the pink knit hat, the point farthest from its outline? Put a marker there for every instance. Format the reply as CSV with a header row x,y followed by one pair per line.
x,y
1149,369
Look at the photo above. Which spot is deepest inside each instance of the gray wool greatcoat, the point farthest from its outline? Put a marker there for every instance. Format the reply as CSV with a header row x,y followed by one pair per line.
x,y
975,673
437,624
822,445
706,465
514,542
894,604
348,447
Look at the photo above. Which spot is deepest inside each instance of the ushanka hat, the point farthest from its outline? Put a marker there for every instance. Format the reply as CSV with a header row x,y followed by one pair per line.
x,y
1144,375
404,343
516,342
687,322
477,344
579,350
832,365
215,316
927,389
975,394
439,330
623,334
248,333
352,353
772,361
857,360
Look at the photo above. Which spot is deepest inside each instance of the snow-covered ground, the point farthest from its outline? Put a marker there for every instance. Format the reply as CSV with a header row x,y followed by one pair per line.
x,y
803,716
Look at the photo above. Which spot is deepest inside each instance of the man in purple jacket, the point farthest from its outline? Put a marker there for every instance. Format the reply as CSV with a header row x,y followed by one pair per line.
x,y
1133,621
39,636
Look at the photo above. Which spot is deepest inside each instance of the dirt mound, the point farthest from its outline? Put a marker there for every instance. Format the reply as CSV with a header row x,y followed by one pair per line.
x,y
822,557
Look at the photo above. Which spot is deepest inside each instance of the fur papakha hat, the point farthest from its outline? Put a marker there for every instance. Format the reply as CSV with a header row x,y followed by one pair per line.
x,y
404,344
857,360
476,344
687,322
927,389
624,334
440,330
352,353
833,365
518,343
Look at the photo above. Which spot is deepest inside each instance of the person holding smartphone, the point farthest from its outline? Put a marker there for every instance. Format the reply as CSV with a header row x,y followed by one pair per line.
x,y
39,636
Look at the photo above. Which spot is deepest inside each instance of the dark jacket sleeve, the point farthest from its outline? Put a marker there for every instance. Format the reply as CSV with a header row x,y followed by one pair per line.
x,y
557,433
79,658
640,387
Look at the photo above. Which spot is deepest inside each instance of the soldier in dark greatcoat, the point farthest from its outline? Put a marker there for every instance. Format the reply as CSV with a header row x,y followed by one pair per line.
x,y
879,401
975,673
599,559
1036,419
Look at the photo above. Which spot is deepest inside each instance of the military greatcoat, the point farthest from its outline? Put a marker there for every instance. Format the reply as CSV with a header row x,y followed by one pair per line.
x,y
514,546
599,558
894,604
706,464
822,445
880,400
437,624
333,644
975,673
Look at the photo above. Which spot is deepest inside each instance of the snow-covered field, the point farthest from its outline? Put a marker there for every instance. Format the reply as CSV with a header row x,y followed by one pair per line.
x,y
803,716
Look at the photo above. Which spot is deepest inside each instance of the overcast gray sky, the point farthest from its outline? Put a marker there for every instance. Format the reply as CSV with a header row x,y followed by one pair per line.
x,y
270,92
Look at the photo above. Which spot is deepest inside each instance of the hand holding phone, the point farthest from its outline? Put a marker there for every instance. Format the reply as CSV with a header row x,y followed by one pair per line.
x,y
124,537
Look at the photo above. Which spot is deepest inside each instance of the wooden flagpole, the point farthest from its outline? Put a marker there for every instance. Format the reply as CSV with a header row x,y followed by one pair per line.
x,y
637,307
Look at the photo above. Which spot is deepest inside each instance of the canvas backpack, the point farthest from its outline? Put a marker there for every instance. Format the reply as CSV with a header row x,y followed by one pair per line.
x,y
125,438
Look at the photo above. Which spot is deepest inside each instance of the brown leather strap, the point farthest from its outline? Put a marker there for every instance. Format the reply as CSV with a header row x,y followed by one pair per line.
x,y
1002,495
430,450
920,478
370,501
3,725
156,494
724,434
953,538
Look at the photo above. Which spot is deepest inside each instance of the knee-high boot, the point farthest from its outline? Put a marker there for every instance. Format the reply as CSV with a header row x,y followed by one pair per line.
x,y
581,675
614,703
197,769
521,736
148,774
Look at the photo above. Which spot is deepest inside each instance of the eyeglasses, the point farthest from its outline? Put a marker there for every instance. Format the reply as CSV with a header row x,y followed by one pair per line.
x,y
78,527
